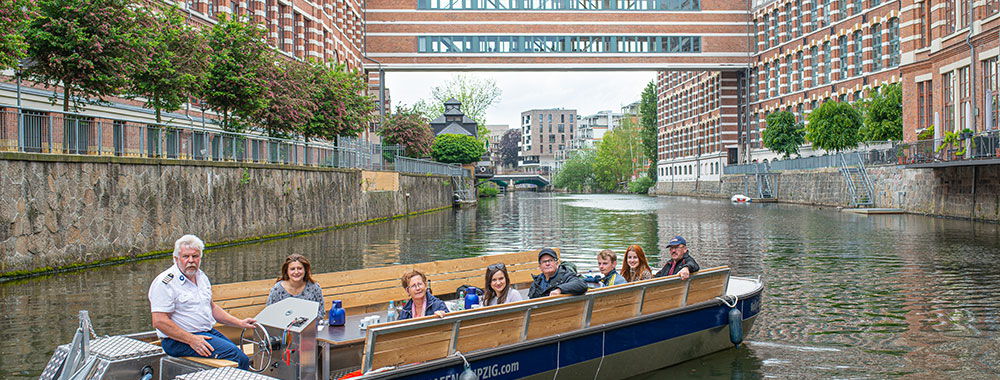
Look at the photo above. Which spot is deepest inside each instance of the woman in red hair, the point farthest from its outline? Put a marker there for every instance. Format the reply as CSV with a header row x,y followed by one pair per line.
x,y
635,267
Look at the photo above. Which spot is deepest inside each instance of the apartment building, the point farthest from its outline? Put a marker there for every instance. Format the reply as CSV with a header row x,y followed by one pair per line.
x,y
546,134
593,127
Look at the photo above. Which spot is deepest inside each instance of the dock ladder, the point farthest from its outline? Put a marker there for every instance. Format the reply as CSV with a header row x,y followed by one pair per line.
x,y
463,193
762,188
859,185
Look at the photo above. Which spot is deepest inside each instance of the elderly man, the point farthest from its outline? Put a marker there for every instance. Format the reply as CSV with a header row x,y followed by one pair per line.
x,y
680,262
556,278
180,299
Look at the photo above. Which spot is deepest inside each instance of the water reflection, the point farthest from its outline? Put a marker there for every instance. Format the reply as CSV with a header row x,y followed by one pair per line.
x,y
848,296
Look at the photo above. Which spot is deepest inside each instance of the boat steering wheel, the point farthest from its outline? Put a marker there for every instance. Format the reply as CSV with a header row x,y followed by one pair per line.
x,y
263,344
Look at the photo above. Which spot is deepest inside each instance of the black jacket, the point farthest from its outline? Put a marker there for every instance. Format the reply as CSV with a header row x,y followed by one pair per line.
x,y
686,261
566,279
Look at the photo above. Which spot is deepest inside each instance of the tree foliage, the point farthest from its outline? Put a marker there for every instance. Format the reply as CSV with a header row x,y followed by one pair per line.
x,y
834,126
14,19
288,89
87,46
409,129
235,83
883,114
577,173
618,154
641,185
783,134
647,120
178,58
507,149
343,107
457,149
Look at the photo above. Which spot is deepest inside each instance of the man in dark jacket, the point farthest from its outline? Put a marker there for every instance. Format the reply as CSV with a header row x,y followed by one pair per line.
x,y
680,262
556,278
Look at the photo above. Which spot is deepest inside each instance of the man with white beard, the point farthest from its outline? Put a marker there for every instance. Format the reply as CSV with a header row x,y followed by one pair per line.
x,y
184,314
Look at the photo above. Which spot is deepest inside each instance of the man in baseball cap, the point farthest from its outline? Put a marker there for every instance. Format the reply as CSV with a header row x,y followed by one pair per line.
x,y
681,263
556,278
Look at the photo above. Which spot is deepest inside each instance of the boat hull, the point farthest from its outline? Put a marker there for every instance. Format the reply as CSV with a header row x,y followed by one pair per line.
x,y
610,351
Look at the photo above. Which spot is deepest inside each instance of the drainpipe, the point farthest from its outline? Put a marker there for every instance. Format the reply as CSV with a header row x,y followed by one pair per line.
x,y
972,68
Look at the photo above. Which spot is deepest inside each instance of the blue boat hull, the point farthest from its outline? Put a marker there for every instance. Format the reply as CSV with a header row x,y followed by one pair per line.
x,y
610,351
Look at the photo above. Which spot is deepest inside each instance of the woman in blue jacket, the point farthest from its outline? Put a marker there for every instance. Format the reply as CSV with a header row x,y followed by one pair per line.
x,y
421,302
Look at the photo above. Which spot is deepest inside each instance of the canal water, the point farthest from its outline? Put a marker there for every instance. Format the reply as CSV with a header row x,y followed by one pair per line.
x,y
848,296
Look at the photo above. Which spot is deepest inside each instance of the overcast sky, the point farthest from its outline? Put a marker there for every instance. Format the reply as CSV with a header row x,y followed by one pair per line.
x,y
585,91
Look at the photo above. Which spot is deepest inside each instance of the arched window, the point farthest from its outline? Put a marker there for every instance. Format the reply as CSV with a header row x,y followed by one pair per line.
x,y
842,43
876,32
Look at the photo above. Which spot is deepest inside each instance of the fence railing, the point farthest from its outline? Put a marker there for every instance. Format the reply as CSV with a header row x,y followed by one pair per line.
x,y
414,165
985,145
875,154
56,132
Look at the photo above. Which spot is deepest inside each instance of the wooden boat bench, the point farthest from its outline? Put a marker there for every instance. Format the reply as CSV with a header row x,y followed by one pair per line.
x,y
370,290
392,344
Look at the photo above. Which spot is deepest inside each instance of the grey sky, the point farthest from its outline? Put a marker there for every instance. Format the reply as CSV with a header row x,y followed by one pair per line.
x,y
587,92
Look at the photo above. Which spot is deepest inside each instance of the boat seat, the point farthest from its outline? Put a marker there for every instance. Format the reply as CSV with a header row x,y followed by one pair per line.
x,y
371,289
211,362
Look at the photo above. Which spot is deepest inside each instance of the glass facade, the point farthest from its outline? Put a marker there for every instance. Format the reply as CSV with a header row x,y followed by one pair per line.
x,y
559,44
616,5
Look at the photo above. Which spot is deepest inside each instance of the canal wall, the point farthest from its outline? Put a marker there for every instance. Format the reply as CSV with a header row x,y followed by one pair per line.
x,y
971,192
61,211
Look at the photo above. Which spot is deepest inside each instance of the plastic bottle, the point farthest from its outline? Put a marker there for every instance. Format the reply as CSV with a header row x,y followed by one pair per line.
x,y
461,298
337,314
391,312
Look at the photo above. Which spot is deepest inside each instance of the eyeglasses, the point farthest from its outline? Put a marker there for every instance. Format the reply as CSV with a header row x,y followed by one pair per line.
x,y
547,261
416,285
497,266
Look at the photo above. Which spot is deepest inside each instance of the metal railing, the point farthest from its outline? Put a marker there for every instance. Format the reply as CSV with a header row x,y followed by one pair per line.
x,y
415,165
985,145
56,132
876,153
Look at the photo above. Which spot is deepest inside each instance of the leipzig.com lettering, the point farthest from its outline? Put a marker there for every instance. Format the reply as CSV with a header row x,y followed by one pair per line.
x,y
488,372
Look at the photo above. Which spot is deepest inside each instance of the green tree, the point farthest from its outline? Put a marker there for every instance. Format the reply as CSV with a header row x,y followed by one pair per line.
x,y
577,173
507,148
289,90
618,154
641,185
235,85
647,120
343,106
178,58
14,19
475,94
783,134
883,114
86,46
409,129
457,149
834,126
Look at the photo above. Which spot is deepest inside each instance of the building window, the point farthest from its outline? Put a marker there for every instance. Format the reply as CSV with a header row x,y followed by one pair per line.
x,y
949,17
827,62
767,32
858,68
990,84
797,21
767,85
876,31
559,44
826,13
814,53
963,14
614,5
756,38
814,15
858,6
788,14
842,43
798,70
992,7
923,114
948,98
774,28
893,42
841,10
963,97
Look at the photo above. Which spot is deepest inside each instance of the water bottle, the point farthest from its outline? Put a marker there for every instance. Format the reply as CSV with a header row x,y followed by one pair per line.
x,y
461,298
391,312
337,314
471,297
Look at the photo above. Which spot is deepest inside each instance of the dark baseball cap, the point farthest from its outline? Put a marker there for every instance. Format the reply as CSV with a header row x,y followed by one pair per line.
x,y
677,240
548,251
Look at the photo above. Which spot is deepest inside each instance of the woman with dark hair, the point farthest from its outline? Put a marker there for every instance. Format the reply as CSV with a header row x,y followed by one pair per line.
x,y
635,267
421,302
296,282
498,289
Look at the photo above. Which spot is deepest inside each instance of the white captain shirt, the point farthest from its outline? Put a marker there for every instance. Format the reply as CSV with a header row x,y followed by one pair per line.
x,y
189,304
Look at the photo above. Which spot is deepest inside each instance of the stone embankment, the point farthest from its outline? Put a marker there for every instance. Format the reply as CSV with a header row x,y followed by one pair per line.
x,y
64,211
971,192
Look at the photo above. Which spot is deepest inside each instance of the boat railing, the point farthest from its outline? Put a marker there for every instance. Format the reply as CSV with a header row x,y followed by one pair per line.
x,y
392,344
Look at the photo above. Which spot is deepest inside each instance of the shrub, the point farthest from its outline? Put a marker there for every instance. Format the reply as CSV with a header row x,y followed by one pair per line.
x,y
488,190
457,149
641,185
